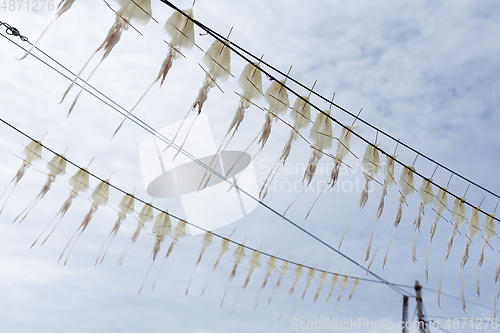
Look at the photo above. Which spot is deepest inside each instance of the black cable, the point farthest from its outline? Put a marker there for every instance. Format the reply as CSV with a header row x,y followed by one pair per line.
x,y
232,47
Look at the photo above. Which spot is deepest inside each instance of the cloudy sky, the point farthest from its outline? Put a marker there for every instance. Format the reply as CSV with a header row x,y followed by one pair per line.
x,y
424,72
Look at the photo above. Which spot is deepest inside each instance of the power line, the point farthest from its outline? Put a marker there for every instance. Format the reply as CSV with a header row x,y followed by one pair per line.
x,y
232,46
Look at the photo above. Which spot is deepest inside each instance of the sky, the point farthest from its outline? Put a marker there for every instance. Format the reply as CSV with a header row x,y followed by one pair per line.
x,y
424,72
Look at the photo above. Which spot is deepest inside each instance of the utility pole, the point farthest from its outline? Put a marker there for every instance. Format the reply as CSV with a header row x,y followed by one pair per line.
x,y
421,323
405,313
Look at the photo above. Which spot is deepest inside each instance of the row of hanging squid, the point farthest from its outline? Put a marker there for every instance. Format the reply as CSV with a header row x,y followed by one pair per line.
x,y
180,29
162,228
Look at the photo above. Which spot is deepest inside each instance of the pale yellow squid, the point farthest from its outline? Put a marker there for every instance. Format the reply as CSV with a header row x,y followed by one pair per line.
x,y
472,231
335,279
321,135
79,183
343,148
426,198
125,208
389,180
310,276
32,153
407,188
253,264
238,256
63,7
458,217
137,10
223,249
161,228
270,267
441,204
180,28
489,233
301,115
322,280
207,241
299,270
218,61
99,197
371,164
283,269
250,82
345,280
277,98
56,167
145,216
179,232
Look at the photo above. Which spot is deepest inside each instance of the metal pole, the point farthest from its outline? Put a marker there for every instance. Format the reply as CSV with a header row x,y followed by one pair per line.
x,y
420,313
405,313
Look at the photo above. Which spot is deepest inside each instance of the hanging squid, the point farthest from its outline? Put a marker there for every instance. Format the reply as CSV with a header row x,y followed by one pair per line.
x,y
125,208
441,204
32,152
301,115
297,275
321,136
406,184
161,228
145,216
310,277
322,280
277,98
252,265
270,267
217,59
250,82
355,285
389,180
283,269
489,233
179,232
426,198
56,167
334,283
472,231
207,241
137,10
63,7
342,288
180,28
343,148
79,183
238,256
458,217
224,247
371,163
99,198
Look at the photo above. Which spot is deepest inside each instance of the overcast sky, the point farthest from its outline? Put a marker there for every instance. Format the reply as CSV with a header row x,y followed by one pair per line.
x,y
425,72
